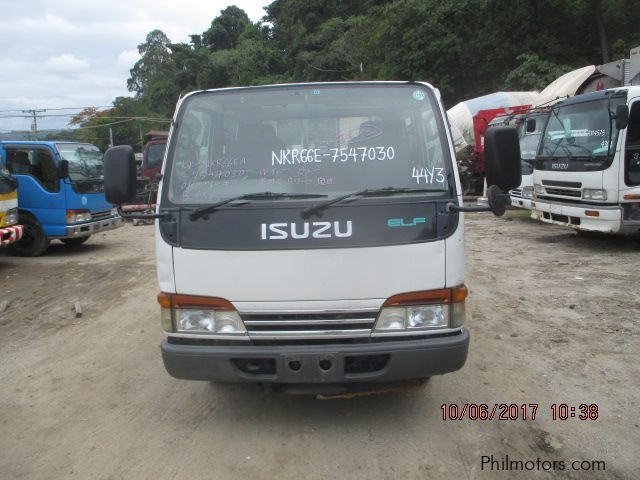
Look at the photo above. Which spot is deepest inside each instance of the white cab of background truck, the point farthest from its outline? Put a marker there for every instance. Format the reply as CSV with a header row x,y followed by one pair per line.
x,y
306,235
587,171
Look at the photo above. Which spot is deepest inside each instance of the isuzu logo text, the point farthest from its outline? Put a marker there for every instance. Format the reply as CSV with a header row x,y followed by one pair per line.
x,y
283,231
559,166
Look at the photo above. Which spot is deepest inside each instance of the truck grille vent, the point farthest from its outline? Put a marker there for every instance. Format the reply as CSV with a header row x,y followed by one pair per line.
x,y
564,192
558,183
101,215
321,325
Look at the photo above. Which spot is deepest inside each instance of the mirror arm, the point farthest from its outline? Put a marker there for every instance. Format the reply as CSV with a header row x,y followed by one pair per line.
x,y
142,216
454,207
498,201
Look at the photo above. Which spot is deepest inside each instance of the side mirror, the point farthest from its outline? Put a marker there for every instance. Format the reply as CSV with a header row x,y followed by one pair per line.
x,y
622,116
502,165
531,125
502,157
119,174
63,169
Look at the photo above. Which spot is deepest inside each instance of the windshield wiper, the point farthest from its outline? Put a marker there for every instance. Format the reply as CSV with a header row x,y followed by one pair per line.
x,y
307,212
89,178
205,210
558,144
589,151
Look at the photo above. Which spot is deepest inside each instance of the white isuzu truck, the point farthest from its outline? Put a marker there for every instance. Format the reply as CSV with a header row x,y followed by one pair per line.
x,y
587,170
312,235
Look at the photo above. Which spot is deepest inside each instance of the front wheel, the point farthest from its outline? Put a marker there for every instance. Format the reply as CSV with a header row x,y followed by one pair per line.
x,y
75,241
33,242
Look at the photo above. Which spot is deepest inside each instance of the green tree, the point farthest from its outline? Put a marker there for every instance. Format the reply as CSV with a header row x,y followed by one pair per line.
x,y
532,73
154,62
225,30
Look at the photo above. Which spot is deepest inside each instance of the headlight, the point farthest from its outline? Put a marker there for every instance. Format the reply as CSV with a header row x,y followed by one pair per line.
x,y
78,216
527,192
208,321
594,194
416,317
11,217
114,212
201,315
189,320
432,309
539,189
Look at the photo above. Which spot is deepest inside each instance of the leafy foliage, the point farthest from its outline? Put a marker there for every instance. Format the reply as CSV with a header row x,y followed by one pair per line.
x,y
532,73
466,48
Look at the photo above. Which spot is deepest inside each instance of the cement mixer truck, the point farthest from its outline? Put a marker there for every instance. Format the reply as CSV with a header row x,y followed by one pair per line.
x,y
470,120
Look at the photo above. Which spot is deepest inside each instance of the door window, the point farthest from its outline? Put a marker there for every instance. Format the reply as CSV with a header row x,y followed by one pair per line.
x,y
37,163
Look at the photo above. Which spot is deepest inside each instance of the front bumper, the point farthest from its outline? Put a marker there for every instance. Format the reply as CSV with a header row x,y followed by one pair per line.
x,y
609,218
89,228
353,363
9,235
520,202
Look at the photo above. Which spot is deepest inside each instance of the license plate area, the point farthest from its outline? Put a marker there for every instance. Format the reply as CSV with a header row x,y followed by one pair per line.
x,y
323,368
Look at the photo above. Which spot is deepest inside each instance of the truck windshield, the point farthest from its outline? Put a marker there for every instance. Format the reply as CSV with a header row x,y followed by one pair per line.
x,y
580,131
307,139
529,145
155,154
85,160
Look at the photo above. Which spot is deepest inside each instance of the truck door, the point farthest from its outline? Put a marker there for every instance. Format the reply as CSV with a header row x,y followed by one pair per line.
x,y
39,190
632,150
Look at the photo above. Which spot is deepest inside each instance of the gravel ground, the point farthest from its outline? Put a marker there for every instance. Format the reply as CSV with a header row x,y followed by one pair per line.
x,y
553,318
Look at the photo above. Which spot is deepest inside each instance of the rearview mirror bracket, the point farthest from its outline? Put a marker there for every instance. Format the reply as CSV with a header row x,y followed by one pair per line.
x,y
498,201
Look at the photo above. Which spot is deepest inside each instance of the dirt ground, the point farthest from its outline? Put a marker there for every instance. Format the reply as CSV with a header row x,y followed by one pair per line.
x,y
554,318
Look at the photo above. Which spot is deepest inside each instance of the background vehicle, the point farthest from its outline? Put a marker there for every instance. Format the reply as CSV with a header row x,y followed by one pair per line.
x,y
311,234
153,154
10,230
529,142
60,193
472,118
587,170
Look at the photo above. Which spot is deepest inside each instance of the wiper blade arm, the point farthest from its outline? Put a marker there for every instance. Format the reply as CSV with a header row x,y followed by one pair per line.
x,y
205,210
307,212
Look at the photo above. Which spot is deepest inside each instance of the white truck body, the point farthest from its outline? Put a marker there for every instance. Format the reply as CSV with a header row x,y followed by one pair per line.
x,y
580,179
310,291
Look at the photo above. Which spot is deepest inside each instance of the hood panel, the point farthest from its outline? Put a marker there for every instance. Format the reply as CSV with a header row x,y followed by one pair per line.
x,y
310,275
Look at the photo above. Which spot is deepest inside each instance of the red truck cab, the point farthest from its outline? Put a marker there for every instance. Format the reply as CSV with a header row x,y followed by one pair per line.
x,y
153,154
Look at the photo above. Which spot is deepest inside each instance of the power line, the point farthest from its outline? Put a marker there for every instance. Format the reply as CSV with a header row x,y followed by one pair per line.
x,y
35,118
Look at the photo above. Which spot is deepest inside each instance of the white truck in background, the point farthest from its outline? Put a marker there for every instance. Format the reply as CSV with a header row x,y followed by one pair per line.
x,y
587,170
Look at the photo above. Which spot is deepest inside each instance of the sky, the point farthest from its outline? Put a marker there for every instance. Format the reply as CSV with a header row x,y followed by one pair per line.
x,y
58,54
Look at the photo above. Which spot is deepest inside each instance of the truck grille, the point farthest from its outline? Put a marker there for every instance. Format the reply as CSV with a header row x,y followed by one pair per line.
x,y
516,192
563,192
320,325
101,215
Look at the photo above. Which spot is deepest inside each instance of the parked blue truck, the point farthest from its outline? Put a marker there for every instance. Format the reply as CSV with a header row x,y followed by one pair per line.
x,y
60,193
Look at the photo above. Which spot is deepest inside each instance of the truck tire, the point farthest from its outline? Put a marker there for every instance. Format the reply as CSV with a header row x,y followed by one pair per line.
x,y
75,241
33,242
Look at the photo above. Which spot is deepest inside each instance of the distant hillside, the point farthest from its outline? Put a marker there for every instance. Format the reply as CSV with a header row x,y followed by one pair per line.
x,y
56,134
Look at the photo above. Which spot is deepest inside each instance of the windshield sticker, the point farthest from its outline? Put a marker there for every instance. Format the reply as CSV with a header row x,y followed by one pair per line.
x,y
429,175
419,95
